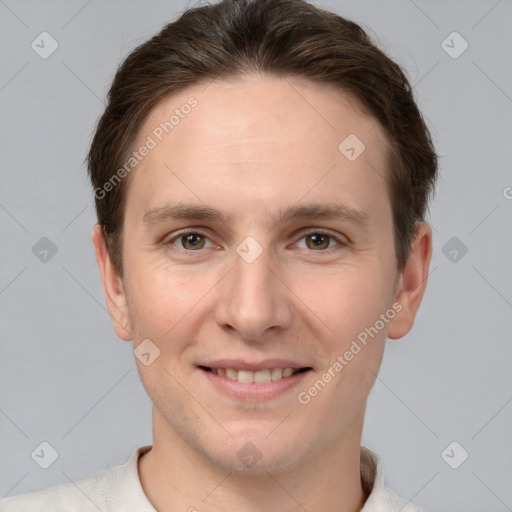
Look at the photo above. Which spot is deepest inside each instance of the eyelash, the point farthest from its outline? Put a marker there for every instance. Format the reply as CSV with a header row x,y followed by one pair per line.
x,y
341,242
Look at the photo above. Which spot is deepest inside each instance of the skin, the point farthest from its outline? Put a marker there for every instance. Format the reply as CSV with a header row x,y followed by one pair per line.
x,y
251,147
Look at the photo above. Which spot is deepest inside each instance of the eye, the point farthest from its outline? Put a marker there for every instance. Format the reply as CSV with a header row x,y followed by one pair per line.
x,y
320,241
190,241
317,241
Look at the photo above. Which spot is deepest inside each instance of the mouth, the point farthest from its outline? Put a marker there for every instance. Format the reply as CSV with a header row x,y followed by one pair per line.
x,y
262,376
251,381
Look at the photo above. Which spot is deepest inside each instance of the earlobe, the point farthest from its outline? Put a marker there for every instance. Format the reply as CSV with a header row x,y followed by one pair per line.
x,y
112,286
412,282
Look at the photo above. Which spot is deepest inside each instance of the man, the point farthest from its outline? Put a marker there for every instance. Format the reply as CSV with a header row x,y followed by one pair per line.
x,y
261,175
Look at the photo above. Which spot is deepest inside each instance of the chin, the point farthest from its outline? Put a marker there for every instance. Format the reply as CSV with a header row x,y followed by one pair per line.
x,y
256,452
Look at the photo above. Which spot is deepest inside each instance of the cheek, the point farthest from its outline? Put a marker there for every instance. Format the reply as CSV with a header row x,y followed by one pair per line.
x,y
346,301
162,297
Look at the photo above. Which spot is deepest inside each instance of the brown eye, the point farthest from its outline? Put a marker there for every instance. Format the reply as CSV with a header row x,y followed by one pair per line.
x,y
187,242
192,241
317,241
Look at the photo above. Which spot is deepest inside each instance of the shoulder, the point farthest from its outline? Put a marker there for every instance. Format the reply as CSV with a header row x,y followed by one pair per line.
x,y
388,500
117,489
84,495
380,497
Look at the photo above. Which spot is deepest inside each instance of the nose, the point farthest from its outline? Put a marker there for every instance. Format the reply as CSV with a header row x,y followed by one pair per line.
x,y
254,301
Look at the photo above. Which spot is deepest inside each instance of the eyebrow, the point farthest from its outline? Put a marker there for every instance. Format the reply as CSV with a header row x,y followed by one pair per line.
x,y
324,211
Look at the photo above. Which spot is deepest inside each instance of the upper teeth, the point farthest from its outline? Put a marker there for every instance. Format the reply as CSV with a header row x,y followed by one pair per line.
x,y
247,377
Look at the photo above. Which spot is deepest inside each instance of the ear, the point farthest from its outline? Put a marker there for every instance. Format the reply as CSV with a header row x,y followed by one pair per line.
x,y
412,282
112,286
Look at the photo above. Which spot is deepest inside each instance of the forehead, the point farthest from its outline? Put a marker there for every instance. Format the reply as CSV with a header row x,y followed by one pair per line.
x,y
267,107
260,133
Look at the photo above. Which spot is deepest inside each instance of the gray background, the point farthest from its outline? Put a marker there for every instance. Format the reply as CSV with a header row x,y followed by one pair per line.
x,y
66,378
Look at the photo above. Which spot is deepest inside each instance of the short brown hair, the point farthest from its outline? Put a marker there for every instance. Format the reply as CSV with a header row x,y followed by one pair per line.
x,y
279,38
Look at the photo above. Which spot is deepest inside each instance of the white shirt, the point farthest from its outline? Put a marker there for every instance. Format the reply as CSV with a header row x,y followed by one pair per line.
x,y
118,489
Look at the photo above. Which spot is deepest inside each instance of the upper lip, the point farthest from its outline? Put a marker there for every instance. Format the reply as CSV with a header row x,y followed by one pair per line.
x,y
241,364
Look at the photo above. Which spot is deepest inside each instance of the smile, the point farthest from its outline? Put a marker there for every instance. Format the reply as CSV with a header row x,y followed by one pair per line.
x,y
258,377
254,382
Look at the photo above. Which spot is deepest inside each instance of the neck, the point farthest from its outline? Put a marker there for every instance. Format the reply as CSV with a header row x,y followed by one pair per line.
x,y
176,477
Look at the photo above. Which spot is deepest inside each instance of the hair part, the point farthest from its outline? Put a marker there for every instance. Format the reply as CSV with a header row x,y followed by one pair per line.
x,y
282,38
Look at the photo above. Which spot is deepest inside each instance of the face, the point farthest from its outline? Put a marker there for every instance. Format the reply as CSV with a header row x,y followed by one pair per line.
x,y
253,244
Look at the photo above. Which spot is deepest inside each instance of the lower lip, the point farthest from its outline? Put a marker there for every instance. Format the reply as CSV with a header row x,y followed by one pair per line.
x,y
255,391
